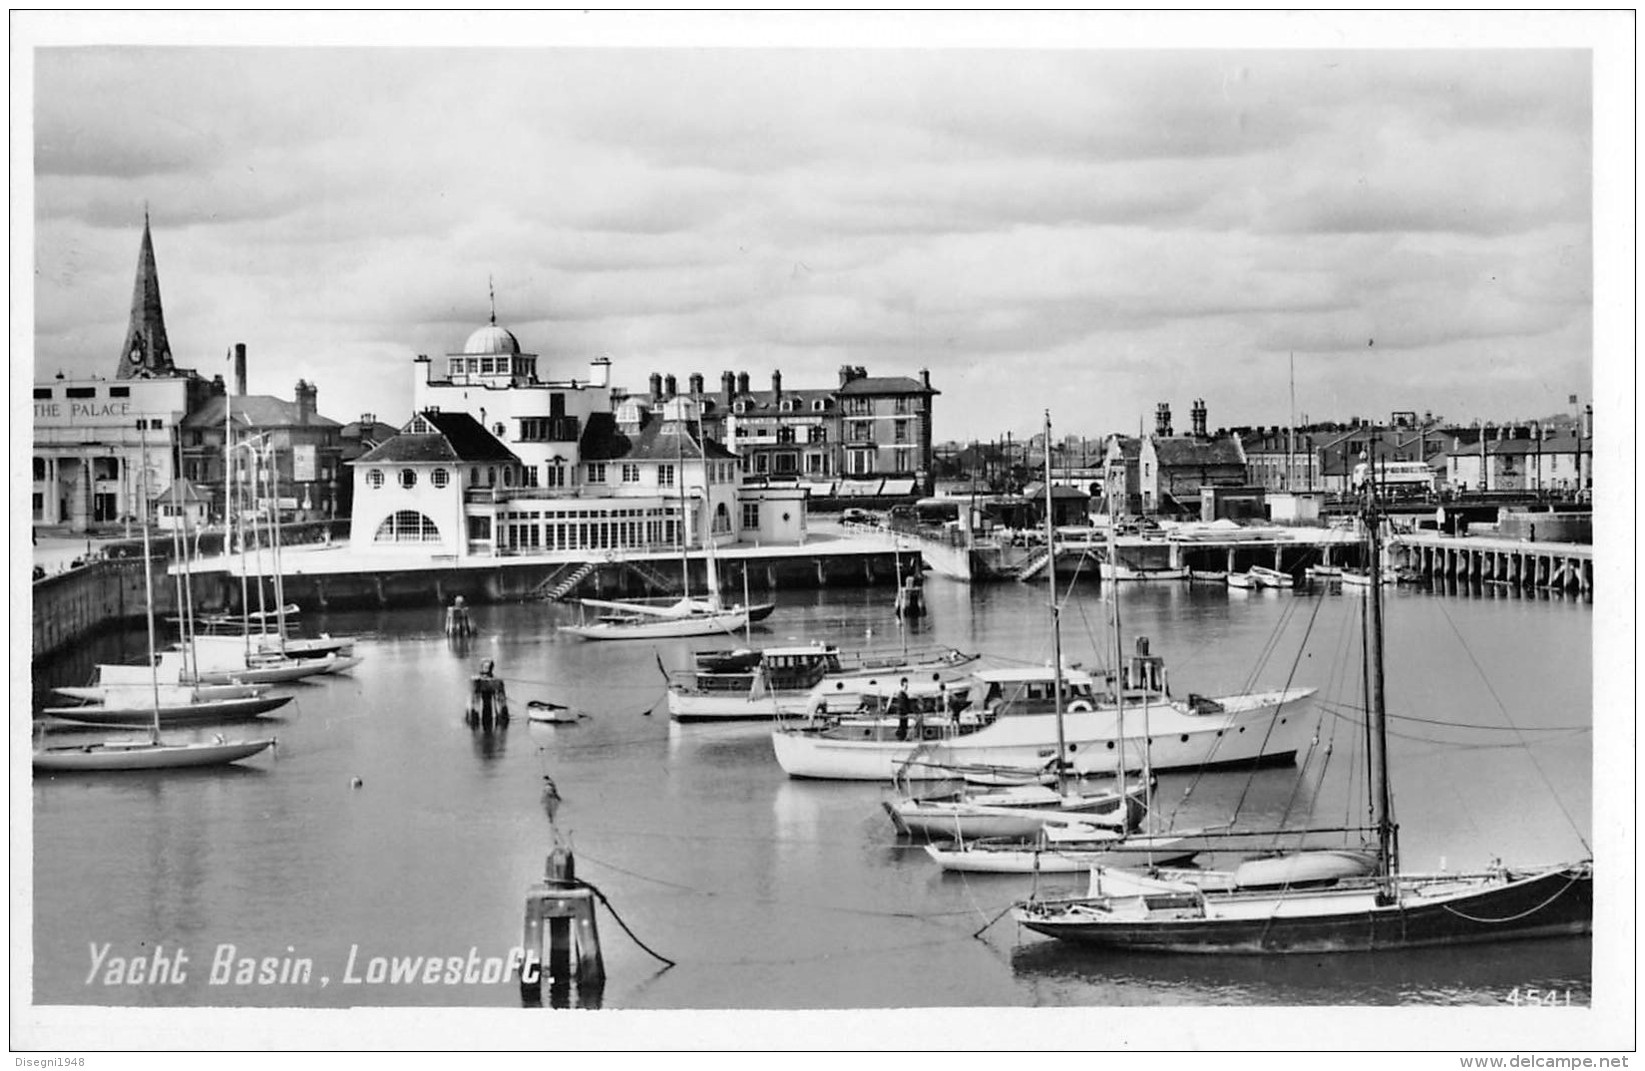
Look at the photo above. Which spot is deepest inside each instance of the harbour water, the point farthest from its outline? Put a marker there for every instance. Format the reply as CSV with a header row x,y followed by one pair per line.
x,y
385,829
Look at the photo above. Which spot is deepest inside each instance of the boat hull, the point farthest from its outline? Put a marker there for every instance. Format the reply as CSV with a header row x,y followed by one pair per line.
x,y
694,705
1267,727
99,757
552,713
1127,573
1553,902
990,859
101,693
291,669
972,819
662,628
204,712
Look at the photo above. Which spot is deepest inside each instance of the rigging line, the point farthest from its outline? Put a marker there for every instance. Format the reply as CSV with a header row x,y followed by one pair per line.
x,y
863,911
1441,741
1268,732
870,951
1335,705
1274,719
1576,875
602,685
995,919
591,887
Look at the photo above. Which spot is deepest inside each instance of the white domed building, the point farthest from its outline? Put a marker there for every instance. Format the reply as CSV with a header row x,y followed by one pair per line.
x,y
565,475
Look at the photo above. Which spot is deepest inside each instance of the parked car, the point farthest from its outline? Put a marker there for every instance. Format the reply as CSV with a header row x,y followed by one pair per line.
x,y
858,516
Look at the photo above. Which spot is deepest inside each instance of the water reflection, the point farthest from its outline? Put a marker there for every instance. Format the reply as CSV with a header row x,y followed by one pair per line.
x,y
708,849
489,744
1480,974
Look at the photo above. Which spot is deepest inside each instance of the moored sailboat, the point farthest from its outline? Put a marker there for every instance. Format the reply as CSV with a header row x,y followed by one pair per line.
x,y
1025,810
154,752
640,620
1383,911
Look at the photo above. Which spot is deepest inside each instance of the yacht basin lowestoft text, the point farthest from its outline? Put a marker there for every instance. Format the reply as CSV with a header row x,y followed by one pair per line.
x,y
228,967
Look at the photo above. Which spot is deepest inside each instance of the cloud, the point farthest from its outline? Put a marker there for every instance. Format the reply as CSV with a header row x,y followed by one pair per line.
x,y
1115,225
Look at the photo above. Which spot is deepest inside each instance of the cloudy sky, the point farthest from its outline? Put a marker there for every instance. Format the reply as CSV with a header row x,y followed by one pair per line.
x,y
1089,230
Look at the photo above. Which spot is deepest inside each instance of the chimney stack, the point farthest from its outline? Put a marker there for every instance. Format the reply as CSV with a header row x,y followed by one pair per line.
x,y
239,369
728,387
696,382
925,378
742,382
670,386
1162,420
305,401
1588,421
656,386
777,387
367,420
1197,416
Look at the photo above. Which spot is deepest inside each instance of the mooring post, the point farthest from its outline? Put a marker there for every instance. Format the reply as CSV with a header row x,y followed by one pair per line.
x,y
458,622
571,953
487,697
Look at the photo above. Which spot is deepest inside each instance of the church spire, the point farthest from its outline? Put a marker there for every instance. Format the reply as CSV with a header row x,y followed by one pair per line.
x,y
147,352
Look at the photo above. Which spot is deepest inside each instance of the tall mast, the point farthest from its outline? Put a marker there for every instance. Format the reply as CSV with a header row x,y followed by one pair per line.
x,y
1119,646
274,528
1056,616
1291,432
148,586
1376,700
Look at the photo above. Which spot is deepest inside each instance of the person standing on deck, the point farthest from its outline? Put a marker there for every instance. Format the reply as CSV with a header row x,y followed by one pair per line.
x,y
899,707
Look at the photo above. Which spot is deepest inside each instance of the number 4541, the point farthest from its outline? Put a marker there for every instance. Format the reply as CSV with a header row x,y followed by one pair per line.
x,y
1528,996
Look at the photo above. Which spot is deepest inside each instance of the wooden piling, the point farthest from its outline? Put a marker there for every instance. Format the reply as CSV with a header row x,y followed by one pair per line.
x,y
561,936
487,698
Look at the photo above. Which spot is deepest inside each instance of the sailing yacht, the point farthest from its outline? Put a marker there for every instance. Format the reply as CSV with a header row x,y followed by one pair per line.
x,y
1383,911
1023,810
709,616
154,752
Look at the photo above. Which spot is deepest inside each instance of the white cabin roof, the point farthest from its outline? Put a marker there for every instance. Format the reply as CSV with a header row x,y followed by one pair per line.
x,y
1021,674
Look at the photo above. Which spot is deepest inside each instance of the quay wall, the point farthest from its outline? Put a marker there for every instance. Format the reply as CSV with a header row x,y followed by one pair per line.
x,y
85,600
106,593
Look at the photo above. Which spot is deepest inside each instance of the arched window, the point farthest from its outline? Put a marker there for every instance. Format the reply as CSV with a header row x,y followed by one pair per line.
x,y
408,478
407,526
439,477
508,475
374,479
